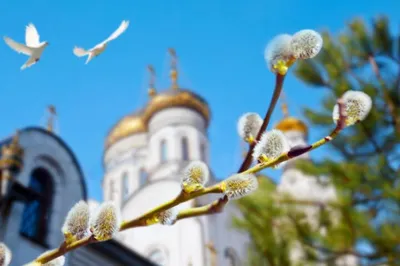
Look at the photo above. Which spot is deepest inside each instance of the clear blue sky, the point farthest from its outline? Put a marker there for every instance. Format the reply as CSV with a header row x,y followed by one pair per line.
x,y
220,46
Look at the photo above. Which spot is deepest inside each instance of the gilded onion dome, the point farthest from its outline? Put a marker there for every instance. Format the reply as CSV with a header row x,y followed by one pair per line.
x,y
292,124
289,123
127,126
176,98
172,97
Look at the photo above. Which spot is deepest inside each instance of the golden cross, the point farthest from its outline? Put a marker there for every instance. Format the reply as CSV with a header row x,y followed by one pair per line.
x,y
152,89
284,105
174,71
53,113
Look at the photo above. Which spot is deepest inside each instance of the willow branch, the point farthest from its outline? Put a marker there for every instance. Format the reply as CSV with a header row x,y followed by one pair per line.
x,y
277,92
215,207
55,253
297,151
140,221
218,205
182,197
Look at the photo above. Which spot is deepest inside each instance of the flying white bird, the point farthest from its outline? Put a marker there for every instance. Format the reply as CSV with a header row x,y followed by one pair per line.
x,y
99,48
33,48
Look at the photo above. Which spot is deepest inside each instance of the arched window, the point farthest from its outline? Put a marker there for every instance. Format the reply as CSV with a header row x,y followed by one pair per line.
x,y
36,215
163,151
125,186
185,149
232,257
203,152
142,177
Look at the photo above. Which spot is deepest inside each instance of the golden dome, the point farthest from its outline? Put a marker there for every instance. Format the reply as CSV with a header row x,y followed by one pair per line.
x,y
127,126
176,98
138,122
292,124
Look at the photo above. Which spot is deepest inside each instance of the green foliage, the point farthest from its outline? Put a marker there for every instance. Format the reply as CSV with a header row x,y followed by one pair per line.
x,y
364,167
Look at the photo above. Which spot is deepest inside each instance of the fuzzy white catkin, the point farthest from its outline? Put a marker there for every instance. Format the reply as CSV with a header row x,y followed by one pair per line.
x,y
105,222
272,144
196,173
278,49
306,44
240,185
249,125
77,220
168,217
5,255
357,106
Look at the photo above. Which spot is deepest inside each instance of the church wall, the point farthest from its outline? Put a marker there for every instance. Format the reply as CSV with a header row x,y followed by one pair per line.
x,y
149,197
114,184
129,143
162,148
169,170
41,150
125,158
171,140
225,237
170,240
178,244
192,239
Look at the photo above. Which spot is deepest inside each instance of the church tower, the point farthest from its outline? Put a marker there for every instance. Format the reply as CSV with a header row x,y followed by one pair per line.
x,y
296,132
145,152
177,122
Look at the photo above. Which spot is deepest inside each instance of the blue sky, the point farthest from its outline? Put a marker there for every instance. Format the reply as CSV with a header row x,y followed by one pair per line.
x,y
220,46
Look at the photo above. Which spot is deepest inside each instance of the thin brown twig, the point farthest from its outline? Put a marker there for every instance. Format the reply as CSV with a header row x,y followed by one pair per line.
x,y
48,256
220,203
277,92
294,152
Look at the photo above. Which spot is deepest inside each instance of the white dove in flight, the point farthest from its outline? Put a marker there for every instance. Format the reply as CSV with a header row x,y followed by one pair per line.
x,y
99,48
33,48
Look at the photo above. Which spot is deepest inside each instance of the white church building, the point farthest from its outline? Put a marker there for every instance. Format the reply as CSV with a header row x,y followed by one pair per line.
x,y
145,152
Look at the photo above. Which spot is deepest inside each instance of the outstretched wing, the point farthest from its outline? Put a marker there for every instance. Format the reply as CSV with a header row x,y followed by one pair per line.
x,y
31,36
18,47
79,52
31,61
121,29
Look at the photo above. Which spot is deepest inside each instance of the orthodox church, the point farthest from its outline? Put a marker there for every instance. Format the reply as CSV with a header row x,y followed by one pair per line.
x,y
145,152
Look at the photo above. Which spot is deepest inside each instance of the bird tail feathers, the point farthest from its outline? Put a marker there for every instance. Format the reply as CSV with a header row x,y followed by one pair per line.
x,y
80,51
